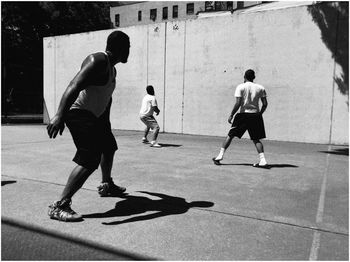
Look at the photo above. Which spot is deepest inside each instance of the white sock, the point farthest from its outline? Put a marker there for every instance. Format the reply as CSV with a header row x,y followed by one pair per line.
x,y
221,154
262,159
153,142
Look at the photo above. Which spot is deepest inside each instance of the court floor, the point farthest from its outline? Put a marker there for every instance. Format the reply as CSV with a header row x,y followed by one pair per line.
x,y
180,206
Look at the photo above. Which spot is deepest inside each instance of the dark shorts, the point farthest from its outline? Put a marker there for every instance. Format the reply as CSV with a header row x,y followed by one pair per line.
x,y
92,136
253,122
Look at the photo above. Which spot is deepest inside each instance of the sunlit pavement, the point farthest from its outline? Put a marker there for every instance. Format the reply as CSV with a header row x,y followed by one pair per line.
x,y
180,206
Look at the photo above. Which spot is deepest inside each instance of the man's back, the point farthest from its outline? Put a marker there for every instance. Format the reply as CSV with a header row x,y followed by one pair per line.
x,y
251,93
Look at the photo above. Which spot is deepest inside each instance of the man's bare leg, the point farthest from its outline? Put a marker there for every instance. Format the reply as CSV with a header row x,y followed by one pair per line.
x,y
106,166
260,148
155,133
61,209
75,181
224,146
146,131
108,188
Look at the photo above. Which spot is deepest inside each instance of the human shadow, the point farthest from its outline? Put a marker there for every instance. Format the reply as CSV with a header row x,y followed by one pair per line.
x,y
3,183
338,151
169,145
268,167
137,205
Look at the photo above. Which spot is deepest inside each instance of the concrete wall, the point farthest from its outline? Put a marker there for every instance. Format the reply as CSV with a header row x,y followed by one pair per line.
x,y
195,66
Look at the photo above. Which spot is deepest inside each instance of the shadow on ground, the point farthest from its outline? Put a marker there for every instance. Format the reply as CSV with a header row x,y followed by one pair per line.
x,y
136,205
269,166
339,151
4,183
28,242
169,145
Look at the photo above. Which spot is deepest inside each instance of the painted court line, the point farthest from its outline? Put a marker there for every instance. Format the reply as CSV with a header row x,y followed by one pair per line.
x,y
319,216
263,219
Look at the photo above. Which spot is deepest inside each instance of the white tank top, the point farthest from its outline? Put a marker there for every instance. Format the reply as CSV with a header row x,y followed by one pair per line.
x,y
96,98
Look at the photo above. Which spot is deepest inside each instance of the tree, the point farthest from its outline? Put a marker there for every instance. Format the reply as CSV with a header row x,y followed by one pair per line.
x,y
24,25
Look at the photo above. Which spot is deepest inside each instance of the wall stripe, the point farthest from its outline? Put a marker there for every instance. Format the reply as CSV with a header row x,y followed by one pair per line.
x,y
165,50
183,81
320,209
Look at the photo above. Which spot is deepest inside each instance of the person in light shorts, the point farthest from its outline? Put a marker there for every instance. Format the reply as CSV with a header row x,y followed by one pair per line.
x,y
248,119
148,107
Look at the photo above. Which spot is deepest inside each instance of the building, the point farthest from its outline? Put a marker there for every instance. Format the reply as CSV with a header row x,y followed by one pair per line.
x,y
140,13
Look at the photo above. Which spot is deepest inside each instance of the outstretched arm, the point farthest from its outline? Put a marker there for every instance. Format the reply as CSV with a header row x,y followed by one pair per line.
x,y
138,218
165,197
89,68
235,109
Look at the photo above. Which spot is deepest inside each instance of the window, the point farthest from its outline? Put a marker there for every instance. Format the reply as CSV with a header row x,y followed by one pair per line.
x,y
240,4
229,5
165,13
175,11
190,9
139,16
116,20
153,14
209,5
219,6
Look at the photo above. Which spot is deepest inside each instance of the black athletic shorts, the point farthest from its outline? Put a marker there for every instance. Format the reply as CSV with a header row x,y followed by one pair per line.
x,y
92,136
253,122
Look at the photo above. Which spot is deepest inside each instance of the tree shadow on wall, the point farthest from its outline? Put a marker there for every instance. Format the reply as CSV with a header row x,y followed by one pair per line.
x,y
333,20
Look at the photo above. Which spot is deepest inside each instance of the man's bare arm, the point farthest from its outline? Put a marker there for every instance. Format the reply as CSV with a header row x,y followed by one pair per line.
x,y
264,105
156,109
80,81
235,109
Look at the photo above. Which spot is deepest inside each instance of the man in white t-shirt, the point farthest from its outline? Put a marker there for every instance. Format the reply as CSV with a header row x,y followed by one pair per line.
x,y
249,117
148,107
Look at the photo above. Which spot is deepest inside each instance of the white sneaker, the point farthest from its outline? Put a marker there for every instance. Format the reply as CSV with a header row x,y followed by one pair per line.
x,y
261,165
155,144
145,141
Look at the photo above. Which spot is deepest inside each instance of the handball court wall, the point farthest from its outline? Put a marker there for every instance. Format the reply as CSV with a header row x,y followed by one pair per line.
x,y
195,65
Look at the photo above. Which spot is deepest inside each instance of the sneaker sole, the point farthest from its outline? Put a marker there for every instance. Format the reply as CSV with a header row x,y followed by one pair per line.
x,y
72,221
121,193
261,166
216,162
